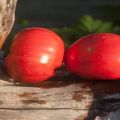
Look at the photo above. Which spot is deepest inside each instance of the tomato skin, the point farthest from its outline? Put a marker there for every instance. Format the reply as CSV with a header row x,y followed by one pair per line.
x,y
96,56
34,54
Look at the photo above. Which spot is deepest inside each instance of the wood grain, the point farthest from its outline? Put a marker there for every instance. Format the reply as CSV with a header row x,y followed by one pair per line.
x,y
61,98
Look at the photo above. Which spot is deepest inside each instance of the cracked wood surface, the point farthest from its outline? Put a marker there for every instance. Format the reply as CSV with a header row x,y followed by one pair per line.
x,y
61,98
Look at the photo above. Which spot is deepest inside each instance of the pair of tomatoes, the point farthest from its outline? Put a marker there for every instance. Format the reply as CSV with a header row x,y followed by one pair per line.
x,y
35,53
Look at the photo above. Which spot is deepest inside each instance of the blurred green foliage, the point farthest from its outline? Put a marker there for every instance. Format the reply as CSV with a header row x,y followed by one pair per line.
x,y
84,26
22,22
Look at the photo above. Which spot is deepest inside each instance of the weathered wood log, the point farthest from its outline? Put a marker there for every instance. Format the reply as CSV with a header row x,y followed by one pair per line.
x,y
61,98
7,17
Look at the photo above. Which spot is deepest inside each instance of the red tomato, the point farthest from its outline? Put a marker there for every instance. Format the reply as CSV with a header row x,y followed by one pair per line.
x,y
95,56
34,55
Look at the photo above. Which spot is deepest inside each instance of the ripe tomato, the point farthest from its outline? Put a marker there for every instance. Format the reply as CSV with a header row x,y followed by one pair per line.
x,y
95,56
34,55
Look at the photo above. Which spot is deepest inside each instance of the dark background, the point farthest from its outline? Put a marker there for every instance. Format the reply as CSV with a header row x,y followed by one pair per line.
x,y
59,13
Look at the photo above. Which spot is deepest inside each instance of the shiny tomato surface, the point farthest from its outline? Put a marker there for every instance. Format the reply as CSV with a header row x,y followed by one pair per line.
x,y
34,55
95,56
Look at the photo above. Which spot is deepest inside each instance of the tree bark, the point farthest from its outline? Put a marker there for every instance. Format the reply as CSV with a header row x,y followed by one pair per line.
x,y
7,17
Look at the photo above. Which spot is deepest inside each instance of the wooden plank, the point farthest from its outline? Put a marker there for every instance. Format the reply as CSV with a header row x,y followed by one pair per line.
x,y
61,98
42,115
58,94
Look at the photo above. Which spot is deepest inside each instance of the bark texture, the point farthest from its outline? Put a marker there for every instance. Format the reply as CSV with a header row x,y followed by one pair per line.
x,y
7,17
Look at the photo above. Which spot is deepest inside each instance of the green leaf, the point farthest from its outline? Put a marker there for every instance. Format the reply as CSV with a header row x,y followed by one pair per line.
x,y
23,22
85,23
84,26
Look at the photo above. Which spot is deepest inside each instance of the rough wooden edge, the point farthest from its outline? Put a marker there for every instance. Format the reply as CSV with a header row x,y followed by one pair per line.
x,y
7,17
